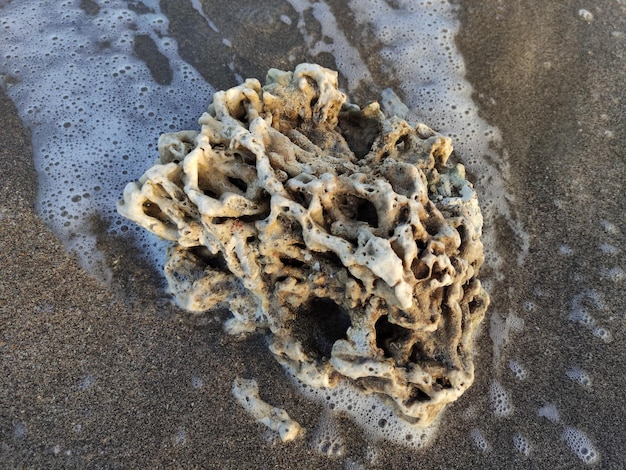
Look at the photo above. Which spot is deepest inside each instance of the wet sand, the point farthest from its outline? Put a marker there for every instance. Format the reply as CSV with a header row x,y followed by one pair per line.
x,y
116,377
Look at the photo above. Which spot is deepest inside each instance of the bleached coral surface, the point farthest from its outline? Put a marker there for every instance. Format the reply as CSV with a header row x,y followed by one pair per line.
x,y
347,236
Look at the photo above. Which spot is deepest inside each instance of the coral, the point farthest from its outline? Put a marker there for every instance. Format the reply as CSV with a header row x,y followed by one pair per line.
x,y
347,236
246,392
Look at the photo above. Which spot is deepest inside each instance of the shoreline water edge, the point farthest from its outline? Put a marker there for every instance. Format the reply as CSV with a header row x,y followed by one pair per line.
x,y
99,368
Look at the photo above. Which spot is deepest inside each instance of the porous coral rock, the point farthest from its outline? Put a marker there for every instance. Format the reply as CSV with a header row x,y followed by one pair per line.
x,y
346,235
246,392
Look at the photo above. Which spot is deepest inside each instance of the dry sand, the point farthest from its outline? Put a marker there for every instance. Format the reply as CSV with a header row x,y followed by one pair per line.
x,y
115,377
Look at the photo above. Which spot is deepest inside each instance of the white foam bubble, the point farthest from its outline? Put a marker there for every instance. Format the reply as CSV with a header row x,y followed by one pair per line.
x,y
608,249
521,444
614,274
479,439
94,109
86,383
603,333
354,465
180,438
609,227
500,330
376,419
581,316
326,439
500,400
579,376
580,313
529,306
519,371
197,382
197,5
549,412
581,445
582,303
565,250
19,430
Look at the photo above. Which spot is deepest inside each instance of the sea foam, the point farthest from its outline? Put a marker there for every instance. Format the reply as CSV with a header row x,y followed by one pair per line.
x,y
94,108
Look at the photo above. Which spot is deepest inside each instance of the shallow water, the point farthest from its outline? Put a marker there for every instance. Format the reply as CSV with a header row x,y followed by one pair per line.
x,y
97,82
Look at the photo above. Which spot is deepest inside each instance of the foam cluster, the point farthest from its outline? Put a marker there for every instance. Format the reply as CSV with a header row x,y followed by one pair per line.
x,y
327,439
579,376
522,444
500,400
91,101
518,370
550,412
581,445
348,236
378,422
479,439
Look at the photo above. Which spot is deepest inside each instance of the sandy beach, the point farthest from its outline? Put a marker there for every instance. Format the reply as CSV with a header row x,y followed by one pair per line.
x,y
113,375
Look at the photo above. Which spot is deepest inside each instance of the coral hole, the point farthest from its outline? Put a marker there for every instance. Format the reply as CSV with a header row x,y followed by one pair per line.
x,y
402,144
152,209
417,396
357,208
359,131
287,261
206,259
319,325
238,183
390,337
420,269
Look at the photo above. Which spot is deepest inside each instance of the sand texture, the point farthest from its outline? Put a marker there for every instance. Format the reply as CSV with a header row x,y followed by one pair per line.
x,y
113,375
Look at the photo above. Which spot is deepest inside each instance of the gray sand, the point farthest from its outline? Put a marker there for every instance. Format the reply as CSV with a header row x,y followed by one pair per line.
x,y
96,376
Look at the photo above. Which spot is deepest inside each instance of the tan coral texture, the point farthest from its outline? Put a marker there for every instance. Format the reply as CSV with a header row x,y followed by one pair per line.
x,y
348,237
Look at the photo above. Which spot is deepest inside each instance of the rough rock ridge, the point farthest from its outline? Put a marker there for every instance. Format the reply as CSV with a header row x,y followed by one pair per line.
x,y
347,236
